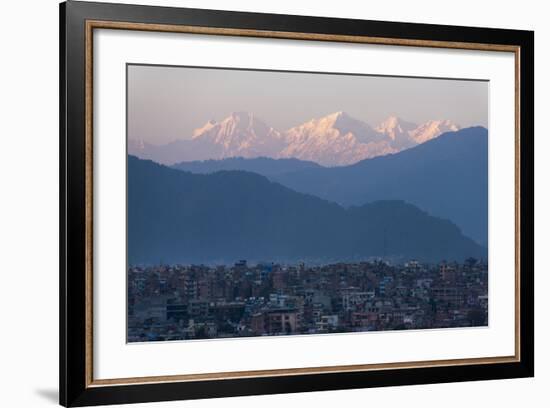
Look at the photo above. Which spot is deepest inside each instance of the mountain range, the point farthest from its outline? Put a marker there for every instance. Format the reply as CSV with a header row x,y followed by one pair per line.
x,y
334,140
179,217
446,176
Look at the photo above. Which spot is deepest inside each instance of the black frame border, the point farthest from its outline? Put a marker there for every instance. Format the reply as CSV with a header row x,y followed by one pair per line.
x,y
73,390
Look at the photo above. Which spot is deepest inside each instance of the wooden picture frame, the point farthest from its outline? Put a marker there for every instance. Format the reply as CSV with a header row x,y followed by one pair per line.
x,y
78,20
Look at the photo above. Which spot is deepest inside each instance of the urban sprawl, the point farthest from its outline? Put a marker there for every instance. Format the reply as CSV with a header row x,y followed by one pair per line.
x,y
179,302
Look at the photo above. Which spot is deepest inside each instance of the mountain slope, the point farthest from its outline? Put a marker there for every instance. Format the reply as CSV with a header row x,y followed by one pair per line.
x,y
175,216
262,165
446,177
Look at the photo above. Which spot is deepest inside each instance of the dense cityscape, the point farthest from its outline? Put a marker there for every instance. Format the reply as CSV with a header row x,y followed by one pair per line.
x,y
179,302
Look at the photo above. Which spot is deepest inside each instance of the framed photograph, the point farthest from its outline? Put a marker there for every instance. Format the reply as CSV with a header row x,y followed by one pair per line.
x,y
256,203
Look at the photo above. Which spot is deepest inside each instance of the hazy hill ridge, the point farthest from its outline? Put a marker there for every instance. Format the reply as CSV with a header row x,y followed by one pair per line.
x,y
176,216
262,165
446,176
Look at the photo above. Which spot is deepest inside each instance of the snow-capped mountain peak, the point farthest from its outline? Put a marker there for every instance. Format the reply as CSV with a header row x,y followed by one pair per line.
x,y
335,139
394,126
398,131
337,124
336,117
240,134
407,134
432,129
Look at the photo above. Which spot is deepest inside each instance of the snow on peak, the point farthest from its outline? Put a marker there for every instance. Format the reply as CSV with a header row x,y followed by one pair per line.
x,y
337,116
389,123
407,134
332,140
432,129
398,130
335,139
240,134
393,124
199,131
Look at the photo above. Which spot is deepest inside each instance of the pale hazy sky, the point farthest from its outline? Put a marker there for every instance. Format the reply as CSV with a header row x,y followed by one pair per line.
x,y
167,103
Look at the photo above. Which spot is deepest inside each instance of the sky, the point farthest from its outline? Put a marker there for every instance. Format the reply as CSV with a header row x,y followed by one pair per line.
x,y
168,103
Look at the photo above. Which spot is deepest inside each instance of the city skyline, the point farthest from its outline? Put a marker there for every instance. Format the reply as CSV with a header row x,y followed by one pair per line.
x,y
186,302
